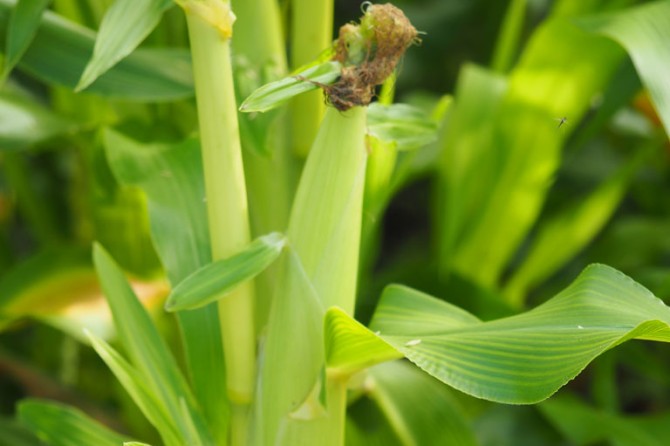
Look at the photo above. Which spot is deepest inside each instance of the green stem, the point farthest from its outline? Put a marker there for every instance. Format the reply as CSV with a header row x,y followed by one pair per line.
x,y
311,34
508,40
226,200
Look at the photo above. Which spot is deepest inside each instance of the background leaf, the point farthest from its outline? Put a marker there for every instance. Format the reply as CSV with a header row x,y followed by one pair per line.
x,y
643,31
60,425
60,50
23,22
125,25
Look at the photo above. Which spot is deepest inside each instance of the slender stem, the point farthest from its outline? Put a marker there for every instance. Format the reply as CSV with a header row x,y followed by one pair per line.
x,y
311,34
226,200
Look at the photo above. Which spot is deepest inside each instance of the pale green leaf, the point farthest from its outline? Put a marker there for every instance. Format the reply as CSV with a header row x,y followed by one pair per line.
x,y
214,281
171,176
61,425
61,48
135,443
23,23
24,123
421,410
147,350
644,32
133,382
125,25
350,346
276,93
407,126
525,358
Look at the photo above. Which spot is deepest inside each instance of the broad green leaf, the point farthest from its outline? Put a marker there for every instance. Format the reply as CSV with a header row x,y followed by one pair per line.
x,y
644,32
171,176
350,346
125,25
566,233
23,23
525,358
420,409
582,424
60,425
406,126
276,93
135,443
147,350
216,280
60,50
24,122
135,384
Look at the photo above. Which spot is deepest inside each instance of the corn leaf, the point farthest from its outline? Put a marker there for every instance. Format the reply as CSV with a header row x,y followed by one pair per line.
x,y
420,409
23,23
24,123
125,25
525,358
61,48
277,93
147,350
566,233
350,346
407,126
153,408
60,425
171,176
502,145
644,32
582,424
216,280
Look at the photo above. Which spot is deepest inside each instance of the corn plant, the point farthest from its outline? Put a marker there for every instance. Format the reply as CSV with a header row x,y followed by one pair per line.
x,y
248,190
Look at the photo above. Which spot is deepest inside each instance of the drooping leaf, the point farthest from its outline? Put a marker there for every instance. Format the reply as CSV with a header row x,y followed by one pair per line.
x,y
525,358
350,346
214,281
23,23
276,93
24,123
125,25
61,48
135,384
171,176
644,32
147,351
61,425
407,126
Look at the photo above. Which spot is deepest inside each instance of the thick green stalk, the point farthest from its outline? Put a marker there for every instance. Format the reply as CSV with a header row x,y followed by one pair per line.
x,y
311,34
226,193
